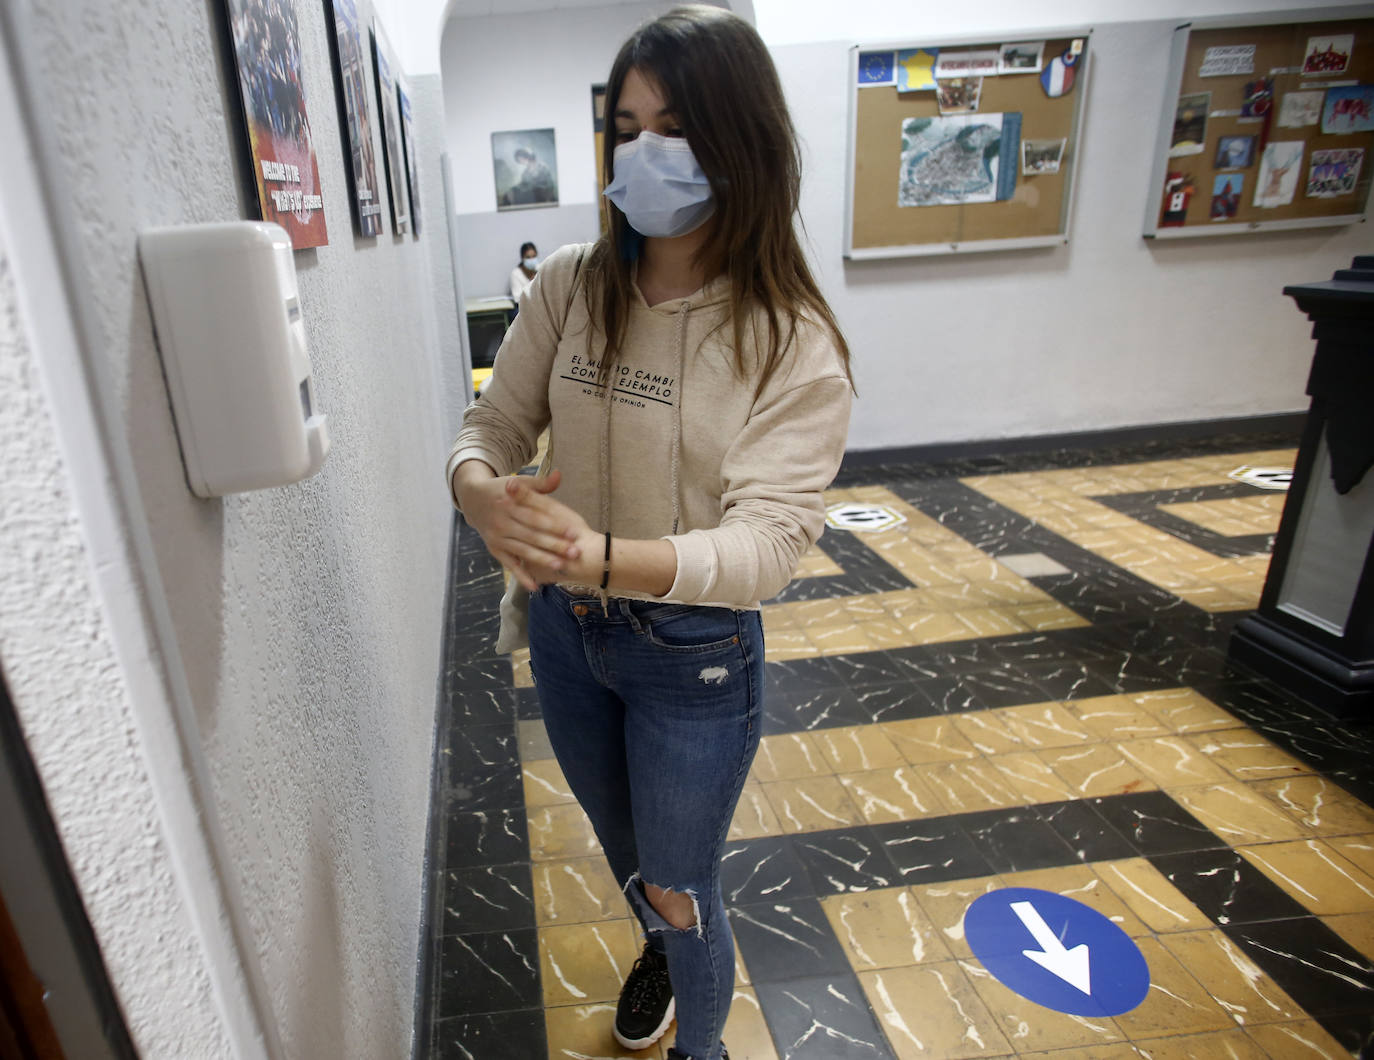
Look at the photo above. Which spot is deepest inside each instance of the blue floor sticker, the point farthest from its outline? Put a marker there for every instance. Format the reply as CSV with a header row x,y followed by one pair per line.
x,y
1057,952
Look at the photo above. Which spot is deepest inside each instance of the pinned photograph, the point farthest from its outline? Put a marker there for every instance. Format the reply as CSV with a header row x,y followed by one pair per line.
x,y
916,69
1226,188
1297,110
1278,174
1334,172
1235,152
877,68
1328,55
1348,110
1039,157
267,51
973,62
1228,60
958,95
525,165
1024,57
1178,192
958,159
1257,98
1190,125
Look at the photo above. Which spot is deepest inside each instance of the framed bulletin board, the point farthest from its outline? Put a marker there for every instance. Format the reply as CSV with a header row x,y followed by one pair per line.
x,y
963,145
1265,125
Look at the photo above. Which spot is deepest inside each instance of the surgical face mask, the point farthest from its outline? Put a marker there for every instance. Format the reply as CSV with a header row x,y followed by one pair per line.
x,y
659,186
531,263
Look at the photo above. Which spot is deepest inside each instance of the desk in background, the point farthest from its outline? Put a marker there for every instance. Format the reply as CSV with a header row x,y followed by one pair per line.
x,y
488,319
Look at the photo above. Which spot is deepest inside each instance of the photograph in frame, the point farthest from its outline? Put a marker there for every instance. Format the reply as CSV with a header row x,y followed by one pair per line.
x,y
525,167
409,147
393,154
350,67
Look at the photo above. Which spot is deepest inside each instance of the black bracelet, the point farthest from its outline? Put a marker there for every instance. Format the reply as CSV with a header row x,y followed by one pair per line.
x,y
606,568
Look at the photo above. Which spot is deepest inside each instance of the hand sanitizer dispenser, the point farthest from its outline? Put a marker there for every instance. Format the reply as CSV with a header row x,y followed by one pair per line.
x,y
229,328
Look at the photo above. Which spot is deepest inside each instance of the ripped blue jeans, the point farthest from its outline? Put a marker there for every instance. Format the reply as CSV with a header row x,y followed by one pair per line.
x,y
653,711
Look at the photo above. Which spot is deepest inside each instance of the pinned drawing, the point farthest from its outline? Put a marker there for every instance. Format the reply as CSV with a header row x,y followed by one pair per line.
x,y
958,159
916,69
1334,172
1235,152
1278,174
1297,110
1328,55
1190,125
1226,189
1257,99
1348,109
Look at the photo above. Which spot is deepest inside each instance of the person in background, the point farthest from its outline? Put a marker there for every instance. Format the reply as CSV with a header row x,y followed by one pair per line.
x,y
523,274
696,389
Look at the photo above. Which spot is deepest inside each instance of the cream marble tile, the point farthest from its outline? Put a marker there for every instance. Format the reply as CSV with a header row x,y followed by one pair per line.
x,y
886,634
544,784
1027,1025
1237,814
788,756
1183,710
1044,725
533,740
1095,770
1357,849
812,804
745,1028
857,748
926,740
987,732
1115,718
968,786
1356,928
899,794
1215,1045
561,832
884,928
1176,1002
1235,982
1030,778
577,1032
934,627
1314,874
946,903
1040,617
1319,805
754,815
931,1010
1300,1040
1150,896
785,644
1171,761
825,612
520,669
1246,755
576,891
584,963
1083,884
840,638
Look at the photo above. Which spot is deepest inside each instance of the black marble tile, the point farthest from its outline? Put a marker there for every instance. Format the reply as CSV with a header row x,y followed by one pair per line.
x,y
474,751
1001,686
494,898
482,706
893,702
1154,824
949,695
822,1017
1087,835
518,1035
495,789
1067,679
763,870
798,676
527,706
1354,1030
1127,671
1226,887
478,674
1016,840
779,939
869,668
816,708
486,837
1316,967
931,851
845,860
490,972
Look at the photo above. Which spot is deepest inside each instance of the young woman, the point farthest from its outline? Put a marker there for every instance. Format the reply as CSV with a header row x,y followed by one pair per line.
x,y
523,274
697,392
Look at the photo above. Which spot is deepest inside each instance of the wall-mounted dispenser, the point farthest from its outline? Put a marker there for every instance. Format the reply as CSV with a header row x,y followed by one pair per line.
x,y
229,328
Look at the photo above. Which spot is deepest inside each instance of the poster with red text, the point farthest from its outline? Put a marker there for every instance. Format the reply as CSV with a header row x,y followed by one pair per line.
x,y
268,54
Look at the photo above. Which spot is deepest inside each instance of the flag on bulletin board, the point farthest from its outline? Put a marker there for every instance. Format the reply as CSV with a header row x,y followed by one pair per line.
x,y
877,68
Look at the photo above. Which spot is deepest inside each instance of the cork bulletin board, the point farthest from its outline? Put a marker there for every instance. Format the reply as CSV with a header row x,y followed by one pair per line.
x,y
1266,125
963,145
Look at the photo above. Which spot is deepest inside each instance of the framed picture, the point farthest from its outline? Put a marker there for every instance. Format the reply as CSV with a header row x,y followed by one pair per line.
x,y
525,165
267,52
389,104
412,165
350,64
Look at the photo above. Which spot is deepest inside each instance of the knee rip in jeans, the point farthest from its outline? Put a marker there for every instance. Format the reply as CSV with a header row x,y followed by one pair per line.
x,y
654,919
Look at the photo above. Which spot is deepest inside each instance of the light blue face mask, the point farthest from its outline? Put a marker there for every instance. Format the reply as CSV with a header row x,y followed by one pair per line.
x,y
530,263
659,186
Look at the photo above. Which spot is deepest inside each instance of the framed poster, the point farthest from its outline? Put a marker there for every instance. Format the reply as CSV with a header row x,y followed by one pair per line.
x,y
268,56
412,165
393,153
350,68
525,165
963,145
1271,115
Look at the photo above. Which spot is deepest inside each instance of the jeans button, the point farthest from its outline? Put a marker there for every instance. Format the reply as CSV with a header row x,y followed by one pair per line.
x,y
579,610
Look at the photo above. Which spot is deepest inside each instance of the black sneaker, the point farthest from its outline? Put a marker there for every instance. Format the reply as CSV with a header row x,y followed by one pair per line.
x,y
646,1004
673,1054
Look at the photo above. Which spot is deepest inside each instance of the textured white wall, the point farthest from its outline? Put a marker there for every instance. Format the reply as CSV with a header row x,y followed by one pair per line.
x,y
307,618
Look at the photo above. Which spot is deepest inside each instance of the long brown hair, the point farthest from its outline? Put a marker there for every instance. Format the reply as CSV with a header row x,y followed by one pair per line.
x,y
717,77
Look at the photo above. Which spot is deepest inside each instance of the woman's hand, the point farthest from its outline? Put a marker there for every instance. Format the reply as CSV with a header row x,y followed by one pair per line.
x,y
583,548
530,534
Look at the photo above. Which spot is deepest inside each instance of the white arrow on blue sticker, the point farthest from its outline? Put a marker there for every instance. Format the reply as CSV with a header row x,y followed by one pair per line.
x,y
1057,952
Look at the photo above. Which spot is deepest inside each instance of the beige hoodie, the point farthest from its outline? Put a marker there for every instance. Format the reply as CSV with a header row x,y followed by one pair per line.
x,y
683,450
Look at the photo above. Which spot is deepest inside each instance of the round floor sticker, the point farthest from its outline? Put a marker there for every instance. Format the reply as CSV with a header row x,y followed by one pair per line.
x,y
1057,952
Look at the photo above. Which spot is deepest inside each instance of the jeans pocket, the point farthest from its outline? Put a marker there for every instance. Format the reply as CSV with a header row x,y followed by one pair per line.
x,y
683,628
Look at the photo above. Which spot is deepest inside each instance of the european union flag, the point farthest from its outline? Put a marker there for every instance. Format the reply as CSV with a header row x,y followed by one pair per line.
x,y
877,68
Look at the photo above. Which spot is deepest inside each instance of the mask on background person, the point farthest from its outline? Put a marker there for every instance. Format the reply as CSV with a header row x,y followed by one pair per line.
x,y
531,263
659,186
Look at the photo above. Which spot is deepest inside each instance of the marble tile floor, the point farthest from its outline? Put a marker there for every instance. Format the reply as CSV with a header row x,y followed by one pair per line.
x,y
1023,684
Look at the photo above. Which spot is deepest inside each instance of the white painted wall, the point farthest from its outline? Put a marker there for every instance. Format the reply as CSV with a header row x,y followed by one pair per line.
x,y
302,624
